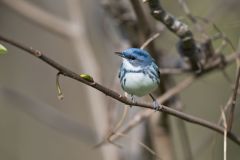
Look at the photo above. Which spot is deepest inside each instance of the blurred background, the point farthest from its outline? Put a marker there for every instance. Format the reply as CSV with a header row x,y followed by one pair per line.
x,y
82,35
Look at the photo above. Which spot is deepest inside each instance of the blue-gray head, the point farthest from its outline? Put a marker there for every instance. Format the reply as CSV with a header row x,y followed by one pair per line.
x,y
136,56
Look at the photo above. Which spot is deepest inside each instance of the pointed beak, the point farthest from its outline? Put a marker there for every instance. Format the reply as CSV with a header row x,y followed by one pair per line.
x,y
119,54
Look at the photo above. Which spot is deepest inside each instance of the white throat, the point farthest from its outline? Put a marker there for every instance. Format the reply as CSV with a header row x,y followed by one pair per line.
x,y
129,66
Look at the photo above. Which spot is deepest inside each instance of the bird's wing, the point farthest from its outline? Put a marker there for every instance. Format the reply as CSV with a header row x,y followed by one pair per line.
x,y
120,73
156,70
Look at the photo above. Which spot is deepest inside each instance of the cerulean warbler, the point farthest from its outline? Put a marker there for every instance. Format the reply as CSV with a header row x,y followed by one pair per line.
x,y
139,75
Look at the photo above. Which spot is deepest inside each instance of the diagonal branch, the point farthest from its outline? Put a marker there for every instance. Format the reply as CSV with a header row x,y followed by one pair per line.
x,y
233,101
187,44
140,117
234,96
67,72
41,17
143,115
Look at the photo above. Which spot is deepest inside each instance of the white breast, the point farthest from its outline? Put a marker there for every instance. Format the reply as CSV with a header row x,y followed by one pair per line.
x,y
137,83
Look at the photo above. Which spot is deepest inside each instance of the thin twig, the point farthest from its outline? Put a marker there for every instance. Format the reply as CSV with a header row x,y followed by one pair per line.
x,y
152,38
68,73
219,35
59,90
178,88
143,21
112,132
211,136
234,96
143,115
140,143
233,100
123,117
224,135
191,17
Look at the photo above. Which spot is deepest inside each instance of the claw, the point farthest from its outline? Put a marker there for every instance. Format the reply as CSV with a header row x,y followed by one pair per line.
x,y
156,106
133,99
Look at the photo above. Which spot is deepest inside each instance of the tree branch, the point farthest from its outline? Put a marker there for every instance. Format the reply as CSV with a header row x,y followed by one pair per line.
x,y
187,45
143,115
177,88
233,101
67,72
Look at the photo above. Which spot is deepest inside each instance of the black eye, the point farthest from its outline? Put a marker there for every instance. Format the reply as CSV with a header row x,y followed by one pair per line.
x,y
131,57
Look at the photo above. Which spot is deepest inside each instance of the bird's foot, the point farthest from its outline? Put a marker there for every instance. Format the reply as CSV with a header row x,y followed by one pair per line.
x,y
133,99
157,106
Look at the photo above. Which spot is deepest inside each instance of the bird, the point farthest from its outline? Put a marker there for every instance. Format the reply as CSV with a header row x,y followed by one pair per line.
x,y
139,74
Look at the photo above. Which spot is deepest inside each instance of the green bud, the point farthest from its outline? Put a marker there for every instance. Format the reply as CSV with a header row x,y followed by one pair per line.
x,y
87,77
3,50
